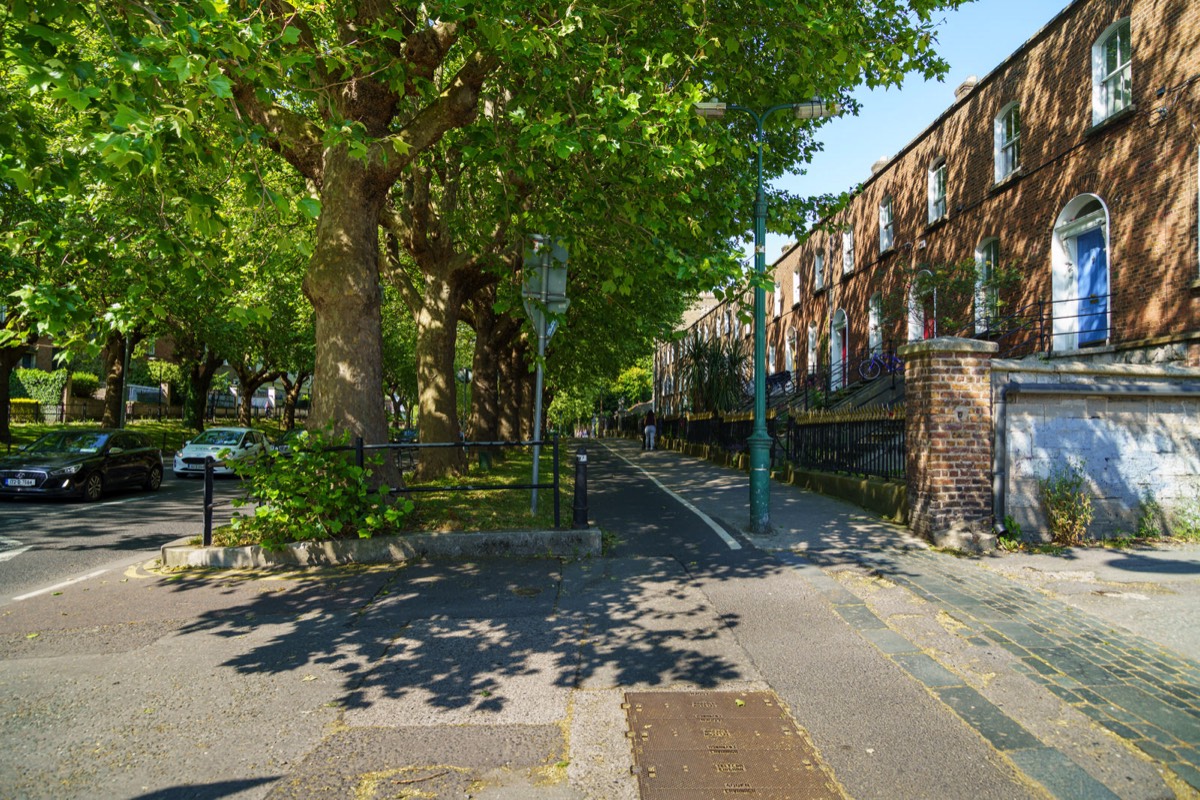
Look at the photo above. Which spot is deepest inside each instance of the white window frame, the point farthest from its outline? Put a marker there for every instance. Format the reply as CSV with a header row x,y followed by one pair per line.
x,y
839,334
818,271
1007,142
887,223
789,351
1112,86
778,299
937,190
847,252
812,348
771,360
875,324
796,285
987,256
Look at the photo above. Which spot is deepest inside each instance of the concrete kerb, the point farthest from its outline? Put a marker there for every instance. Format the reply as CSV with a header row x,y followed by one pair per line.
x,y
391,549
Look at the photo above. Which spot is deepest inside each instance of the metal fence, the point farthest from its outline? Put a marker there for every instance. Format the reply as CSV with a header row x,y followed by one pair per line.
x,y
868,443
403,452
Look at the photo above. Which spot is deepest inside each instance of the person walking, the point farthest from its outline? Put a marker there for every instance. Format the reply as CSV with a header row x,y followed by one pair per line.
x,y
649,430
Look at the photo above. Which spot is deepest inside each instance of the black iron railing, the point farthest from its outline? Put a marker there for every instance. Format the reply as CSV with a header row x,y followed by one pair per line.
x,y
871,446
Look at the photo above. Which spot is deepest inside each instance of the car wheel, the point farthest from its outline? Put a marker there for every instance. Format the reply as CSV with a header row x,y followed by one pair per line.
x,y
93,487
153,480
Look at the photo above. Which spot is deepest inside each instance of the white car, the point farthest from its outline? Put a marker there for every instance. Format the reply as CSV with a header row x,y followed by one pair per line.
x,y
227,446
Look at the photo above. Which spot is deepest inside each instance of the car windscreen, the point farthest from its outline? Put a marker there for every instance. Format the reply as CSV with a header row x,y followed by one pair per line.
x,y
70,442
219,437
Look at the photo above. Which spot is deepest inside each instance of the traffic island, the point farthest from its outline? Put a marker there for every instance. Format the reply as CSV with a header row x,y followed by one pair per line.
x,y
452,546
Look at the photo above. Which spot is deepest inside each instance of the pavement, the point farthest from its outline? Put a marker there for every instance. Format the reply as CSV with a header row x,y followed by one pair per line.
x,y
914,673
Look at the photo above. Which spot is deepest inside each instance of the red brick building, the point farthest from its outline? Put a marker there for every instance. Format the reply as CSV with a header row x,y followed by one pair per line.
x,y
1065,186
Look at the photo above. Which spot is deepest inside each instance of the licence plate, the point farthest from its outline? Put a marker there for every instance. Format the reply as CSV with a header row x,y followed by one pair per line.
x,y
20,482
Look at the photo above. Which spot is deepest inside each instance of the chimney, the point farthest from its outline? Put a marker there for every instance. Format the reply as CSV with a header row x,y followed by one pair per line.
x,y
965,88
880,164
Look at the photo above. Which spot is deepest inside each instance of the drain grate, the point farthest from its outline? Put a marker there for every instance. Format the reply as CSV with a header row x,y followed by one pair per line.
x,y
722,745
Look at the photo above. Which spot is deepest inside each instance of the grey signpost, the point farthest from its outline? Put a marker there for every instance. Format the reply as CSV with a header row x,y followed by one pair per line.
x,y
545,294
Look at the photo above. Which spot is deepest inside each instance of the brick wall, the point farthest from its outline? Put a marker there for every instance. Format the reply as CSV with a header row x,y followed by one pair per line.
x,y
949,434
1142,166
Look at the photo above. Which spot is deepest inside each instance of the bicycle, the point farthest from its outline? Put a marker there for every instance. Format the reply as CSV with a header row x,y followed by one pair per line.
x,y
880,362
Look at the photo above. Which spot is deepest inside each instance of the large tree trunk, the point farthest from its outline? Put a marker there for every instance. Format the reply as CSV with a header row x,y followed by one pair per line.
x,y
9,358
342,283
113,359
437,331
508,426
200,369
291,397
250,381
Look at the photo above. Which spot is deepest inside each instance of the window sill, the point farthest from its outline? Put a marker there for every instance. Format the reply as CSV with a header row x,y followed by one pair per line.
x,y
1112,121
1007,182
1194,286
891,251
937,223
817,292
847,276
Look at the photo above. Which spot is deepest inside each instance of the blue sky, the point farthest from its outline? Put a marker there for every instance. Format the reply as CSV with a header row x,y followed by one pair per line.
x,y
974,40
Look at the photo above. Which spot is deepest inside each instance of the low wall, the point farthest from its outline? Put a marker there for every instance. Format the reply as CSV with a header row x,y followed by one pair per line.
x,y
1133,430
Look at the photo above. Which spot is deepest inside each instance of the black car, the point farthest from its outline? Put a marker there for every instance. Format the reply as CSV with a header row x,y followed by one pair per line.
x,y
81,463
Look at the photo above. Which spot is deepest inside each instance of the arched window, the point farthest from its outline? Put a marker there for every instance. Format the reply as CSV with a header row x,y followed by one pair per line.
x,y
937,189
987,259
1112,72
789,351
887,233
839,351
1080,265
922,307
1008,141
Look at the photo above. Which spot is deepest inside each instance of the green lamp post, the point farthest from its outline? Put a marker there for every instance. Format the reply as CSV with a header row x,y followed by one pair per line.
x,y
759,441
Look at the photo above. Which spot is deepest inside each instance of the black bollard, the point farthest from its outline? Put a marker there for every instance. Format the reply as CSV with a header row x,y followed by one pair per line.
x,y
208,501
580,520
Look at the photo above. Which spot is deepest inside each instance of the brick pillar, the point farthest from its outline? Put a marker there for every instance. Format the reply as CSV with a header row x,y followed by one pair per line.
x,y
949,439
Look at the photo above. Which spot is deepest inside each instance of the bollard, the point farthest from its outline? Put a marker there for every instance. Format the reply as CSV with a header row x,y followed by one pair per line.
x,y
580,520
208,500
359,460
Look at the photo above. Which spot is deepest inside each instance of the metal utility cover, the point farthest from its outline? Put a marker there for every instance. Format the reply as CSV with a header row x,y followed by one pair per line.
x,y
700,745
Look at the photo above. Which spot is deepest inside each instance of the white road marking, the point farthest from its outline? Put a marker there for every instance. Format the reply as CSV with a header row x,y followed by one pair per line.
x,y
13,548
725,537
61,585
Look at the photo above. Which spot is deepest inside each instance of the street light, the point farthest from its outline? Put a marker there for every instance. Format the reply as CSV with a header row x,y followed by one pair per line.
x,y
759,441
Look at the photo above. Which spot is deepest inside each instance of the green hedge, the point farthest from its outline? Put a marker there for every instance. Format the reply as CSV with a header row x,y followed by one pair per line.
x,y
36,384
23,409
84,384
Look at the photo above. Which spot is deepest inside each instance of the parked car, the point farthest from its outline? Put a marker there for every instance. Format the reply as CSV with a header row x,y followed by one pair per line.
x,y
289,440
227,446
81,463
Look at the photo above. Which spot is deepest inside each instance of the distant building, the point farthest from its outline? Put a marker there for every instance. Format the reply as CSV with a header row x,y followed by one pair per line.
x,y
1072,167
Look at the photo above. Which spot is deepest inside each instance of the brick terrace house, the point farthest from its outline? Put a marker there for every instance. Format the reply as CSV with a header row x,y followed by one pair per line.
x,y
1075,164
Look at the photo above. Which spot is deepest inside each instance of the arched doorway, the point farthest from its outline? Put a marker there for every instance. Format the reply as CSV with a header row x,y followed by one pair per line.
x,y
1080,275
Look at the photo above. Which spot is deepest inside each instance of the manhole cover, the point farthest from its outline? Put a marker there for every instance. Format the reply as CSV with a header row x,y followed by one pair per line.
x,y
701,745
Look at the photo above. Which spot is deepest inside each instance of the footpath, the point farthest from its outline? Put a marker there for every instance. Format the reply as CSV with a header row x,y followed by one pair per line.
x,y
911,673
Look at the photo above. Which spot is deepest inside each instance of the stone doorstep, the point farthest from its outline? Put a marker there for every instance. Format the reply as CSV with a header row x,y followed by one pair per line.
x,y
564,543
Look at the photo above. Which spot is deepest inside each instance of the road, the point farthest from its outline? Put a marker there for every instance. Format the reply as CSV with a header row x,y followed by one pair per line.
x,y
47,542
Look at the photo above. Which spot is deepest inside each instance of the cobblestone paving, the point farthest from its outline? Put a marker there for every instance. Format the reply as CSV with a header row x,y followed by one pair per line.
x,y
1130,685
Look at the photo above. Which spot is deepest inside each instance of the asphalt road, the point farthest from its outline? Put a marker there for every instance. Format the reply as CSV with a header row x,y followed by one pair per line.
x,y
44,543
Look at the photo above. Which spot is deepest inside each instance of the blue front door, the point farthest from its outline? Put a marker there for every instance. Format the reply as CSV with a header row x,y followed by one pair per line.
x,y
1092,287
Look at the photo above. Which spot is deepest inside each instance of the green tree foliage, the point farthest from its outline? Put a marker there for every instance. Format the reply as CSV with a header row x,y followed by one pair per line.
x,y
583,111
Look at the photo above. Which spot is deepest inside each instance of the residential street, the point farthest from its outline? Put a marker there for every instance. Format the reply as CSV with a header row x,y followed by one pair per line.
x,y
914,673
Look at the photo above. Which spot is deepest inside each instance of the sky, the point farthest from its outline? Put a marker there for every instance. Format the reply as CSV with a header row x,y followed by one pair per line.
x,y
973,40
